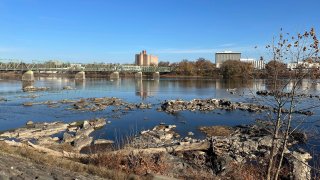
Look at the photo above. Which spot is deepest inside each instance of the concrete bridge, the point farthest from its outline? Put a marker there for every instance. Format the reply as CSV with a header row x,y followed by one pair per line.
x,y
80,69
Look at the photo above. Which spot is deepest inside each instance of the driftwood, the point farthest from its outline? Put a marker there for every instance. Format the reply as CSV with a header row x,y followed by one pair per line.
x,y
46,150
170,149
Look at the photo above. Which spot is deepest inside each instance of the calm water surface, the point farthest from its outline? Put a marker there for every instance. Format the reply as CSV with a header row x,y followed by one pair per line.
x,y
13,114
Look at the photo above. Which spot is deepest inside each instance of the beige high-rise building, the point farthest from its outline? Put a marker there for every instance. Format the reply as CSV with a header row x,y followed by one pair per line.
x,y
143,59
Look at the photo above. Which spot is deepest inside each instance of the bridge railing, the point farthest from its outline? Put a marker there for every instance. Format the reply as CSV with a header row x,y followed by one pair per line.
x,y
19,66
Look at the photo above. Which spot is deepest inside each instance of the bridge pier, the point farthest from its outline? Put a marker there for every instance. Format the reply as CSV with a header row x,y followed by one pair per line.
x,y
156,75
80,75
28,76
114,75
138,75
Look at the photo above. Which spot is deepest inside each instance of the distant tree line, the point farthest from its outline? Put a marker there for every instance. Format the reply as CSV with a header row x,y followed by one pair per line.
x,y
231,69
199,67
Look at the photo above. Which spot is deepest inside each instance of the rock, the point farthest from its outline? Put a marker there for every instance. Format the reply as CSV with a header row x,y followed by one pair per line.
x,y
80,105
55,139
46,141
98,123
144,132
73,129
29,123
142,106
103,141
67,137
27,104
219,164
172,126
36,131
33,89
73,123
5,177
184,142
83,131
86,124
67,101
82,141
165,136
67,88
300,168
190,134
172,106
96,104
3,99
265,141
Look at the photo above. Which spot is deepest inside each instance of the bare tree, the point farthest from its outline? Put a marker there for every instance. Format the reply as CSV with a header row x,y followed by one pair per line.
x,y
287,91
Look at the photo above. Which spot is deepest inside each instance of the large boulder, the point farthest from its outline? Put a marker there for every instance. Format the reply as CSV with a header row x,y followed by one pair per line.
x,y
82,141
301,170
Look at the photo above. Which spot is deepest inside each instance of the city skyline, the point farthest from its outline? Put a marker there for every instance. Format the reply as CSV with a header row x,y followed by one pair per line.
x,y
114,31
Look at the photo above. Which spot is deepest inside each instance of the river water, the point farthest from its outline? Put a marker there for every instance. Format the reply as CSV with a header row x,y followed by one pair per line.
x,y
13,114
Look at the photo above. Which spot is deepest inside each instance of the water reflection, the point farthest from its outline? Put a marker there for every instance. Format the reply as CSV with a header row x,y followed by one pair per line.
x,y
304,85
146,88
175,88
116,82
238,84
80,84
27,83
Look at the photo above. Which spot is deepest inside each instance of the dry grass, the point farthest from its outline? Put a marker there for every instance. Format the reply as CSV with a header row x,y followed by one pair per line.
x,y
247,171
216,130
63,163
197,174
67,147
136,163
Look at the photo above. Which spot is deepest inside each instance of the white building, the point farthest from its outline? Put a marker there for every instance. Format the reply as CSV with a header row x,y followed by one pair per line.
x,y
303,64
257,64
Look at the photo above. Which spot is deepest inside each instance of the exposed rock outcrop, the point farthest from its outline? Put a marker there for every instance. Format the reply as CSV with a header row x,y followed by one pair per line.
x,y
284,94
174,106
34,89
76,134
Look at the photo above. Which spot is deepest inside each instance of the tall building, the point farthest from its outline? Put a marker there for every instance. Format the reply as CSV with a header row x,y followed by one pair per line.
x,y
222,57
143,59
257,64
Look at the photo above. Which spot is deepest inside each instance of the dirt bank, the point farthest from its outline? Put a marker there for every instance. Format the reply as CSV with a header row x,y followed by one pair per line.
x,y
17,167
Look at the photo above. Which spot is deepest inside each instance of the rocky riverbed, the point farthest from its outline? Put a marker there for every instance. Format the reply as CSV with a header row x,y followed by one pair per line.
x,y
93,104
169,106
34,89
174,106
223,147
75,135
216,155
285,94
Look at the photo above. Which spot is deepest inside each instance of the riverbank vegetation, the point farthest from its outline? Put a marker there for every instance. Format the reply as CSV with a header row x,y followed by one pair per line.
x,y
287,94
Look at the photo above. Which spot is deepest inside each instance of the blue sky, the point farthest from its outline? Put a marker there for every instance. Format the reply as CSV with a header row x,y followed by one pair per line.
x,y
114,30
